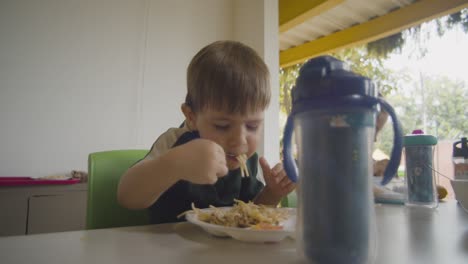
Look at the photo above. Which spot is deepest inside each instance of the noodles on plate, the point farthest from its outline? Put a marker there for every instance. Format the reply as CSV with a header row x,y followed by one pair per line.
x,y
243,215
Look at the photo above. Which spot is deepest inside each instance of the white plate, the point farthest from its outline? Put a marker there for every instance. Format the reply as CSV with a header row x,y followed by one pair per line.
x,y
245,234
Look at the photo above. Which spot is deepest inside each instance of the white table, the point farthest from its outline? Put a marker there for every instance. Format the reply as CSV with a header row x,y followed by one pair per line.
x,y
405,236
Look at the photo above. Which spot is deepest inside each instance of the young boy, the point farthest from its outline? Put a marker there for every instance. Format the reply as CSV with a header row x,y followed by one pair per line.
x,y
227,93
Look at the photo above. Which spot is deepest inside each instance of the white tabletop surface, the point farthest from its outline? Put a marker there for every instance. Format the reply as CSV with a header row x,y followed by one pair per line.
x,y
404,236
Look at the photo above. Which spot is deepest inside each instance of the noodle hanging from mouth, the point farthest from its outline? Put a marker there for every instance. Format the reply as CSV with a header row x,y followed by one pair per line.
x,y
242,159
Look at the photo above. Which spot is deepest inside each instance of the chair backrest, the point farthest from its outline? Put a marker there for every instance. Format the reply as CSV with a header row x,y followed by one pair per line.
x,y
104,172
290,200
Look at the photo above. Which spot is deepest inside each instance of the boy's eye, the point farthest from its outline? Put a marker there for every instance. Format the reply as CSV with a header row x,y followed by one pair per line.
x,y
252,127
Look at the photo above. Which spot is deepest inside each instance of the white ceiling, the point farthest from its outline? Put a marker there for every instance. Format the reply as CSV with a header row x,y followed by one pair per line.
x,y
345,15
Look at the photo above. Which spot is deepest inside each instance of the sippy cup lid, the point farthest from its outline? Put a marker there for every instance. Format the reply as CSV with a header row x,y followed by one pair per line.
x,y
329,78
418,138
461,151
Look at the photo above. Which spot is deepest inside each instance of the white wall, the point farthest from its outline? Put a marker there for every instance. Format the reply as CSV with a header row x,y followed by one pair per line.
x,y
68,70
78,76
177,31
256,24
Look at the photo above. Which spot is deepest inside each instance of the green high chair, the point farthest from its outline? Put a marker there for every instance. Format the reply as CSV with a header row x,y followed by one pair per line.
x,y
104,172
290,200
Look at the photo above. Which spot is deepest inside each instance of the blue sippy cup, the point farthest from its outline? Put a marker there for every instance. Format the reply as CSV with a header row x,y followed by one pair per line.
x,y
333,116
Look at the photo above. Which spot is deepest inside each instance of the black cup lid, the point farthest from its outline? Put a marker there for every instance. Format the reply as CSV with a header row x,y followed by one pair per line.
x,y
460,148
328,77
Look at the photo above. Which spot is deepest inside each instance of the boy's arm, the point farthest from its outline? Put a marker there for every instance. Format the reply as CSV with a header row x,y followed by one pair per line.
x,y
199,161
140,186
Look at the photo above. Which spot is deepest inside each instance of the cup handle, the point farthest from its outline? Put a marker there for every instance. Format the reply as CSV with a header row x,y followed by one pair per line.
x,y
395,157
288,159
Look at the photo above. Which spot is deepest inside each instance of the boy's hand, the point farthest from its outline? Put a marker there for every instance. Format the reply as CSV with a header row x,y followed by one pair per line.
x,y
277,182
200,161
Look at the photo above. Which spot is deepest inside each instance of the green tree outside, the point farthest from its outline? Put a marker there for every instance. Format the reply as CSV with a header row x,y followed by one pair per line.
x,y
436,104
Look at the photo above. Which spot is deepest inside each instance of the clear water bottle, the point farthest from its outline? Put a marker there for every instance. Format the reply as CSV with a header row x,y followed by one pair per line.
x,y
460,159
420,176
333,117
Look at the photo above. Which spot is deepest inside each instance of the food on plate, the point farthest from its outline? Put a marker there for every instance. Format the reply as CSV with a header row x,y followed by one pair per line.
x,y
243,215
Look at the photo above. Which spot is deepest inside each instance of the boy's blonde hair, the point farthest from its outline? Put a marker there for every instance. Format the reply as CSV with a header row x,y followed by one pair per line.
x,y
228,76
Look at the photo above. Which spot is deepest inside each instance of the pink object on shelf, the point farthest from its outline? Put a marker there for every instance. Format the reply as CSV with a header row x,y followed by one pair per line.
x,y
21,181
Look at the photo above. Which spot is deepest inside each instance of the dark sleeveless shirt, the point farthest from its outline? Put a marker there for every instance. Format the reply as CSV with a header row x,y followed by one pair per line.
x,y
178,198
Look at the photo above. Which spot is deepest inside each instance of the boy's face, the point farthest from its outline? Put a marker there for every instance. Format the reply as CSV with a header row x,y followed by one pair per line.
x,y
236,133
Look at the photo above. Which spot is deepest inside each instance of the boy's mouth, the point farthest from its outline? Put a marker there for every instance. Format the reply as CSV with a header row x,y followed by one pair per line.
x,y
232,157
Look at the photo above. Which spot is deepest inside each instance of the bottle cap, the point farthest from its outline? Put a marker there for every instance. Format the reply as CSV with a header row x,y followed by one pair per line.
x,y
327,78
418,138
461,151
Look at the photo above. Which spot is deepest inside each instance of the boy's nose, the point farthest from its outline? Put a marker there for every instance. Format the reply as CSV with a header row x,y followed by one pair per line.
x,y
238,138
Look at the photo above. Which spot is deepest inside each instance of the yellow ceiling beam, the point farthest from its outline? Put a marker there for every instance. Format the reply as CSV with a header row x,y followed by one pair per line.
x,y
374,29
294,12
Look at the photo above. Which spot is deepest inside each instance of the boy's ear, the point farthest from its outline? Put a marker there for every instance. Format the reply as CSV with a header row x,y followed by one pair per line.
x,y
190,117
